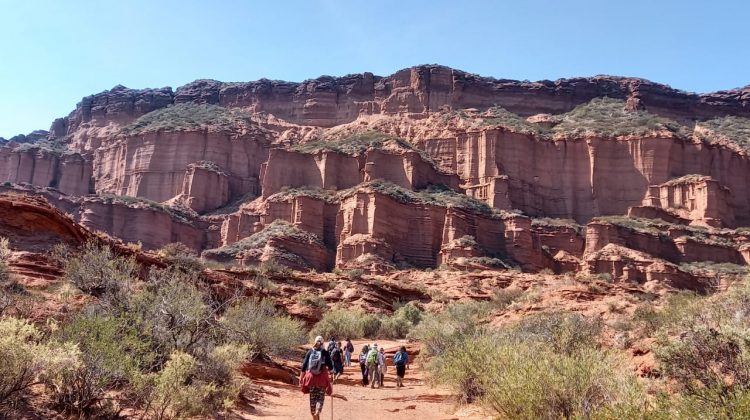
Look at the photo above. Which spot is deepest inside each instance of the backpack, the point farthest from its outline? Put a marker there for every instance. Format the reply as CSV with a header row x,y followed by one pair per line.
x,y
315,362
350,347
372,357
398,358
331,346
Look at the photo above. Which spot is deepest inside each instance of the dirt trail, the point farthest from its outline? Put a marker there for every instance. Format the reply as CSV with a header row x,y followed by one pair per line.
x,y
416,400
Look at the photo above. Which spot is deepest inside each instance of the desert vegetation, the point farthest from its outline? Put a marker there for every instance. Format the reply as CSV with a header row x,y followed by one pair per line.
x,y
163,344
187,117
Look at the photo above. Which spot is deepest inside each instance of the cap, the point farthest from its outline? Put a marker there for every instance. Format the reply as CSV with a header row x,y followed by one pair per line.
x,y
319,339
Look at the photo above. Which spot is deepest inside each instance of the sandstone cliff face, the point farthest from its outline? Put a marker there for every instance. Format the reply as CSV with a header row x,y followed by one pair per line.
x,y
582,178
336,171
317,155
68,173
700,199
329,101
154,166
138,224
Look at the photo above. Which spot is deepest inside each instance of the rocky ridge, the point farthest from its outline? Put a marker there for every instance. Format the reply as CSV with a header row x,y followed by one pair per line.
x,y
429,166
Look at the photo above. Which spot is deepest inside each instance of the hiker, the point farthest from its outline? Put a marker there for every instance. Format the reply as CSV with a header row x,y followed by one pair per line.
x,y
401,361
338,362
372,365
331,345
314,378
363,364
381,366
348,351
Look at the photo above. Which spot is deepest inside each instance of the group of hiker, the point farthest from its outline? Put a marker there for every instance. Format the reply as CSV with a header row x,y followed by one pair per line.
x,y
323,365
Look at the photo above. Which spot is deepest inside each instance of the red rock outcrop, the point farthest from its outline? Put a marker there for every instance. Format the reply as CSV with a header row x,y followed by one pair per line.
x,y
68,173
153,166
700,199
337,171
206,187
329,101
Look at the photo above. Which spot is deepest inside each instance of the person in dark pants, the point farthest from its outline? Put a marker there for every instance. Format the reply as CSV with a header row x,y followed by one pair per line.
x,y
363,364
400,360
338,362
315,378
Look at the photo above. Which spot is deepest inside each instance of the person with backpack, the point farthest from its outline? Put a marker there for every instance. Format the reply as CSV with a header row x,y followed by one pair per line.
x,y
372,365
381,366
331,345
400,360
363,364
315,378
338,362
348,351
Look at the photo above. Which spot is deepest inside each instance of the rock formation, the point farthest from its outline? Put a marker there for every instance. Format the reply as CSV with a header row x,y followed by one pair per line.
x,y
429,166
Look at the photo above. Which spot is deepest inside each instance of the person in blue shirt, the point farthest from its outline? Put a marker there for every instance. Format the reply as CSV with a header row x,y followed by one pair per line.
x,y
401,361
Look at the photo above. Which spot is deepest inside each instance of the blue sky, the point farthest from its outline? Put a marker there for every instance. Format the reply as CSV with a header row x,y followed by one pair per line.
x,y
53,52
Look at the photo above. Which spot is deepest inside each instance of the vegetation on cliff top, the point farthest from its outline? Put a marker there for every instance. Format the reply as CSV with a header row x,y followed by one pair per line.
x,y
658,227
736,130
189,117
359,143
436,195
179,213
608,117
276,229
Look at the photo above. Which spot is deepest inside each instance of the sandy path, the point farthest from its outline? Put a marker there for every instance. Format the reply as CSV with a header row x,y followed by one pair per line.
x,y
416,400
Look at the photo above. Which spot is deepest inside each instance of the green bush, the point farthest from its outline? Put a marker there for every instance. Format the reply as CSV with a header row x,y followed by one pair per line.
x,y
531,381
544,366
563,332
347,323
174,313
187,387
26,359
112,353
180,256
312,300
458,322
260,326
96,270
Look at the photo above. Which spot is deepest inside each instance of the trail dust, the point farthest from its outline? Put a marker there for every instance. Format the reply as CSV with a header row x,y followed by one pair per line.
x,y
351,401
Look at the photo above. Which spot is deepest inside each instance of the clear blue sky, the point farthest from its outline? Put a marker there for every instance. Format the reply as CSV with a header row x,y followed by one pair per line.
x,y
54,52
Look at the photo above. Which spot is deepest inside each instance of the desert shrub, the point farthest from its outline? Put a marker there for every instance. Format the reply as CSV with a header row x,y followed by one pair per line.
x,y
260,326
355,274
186,388
180,256
678,309
312,300
112,352
563,332
347,323
26,359
458,322
4,255
97,270
545,366
503,298
174,313
530,380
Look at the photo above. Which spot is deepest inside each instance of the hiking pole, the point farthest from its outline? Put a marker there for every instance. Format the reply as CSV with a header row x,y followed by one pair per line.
x,y
331,405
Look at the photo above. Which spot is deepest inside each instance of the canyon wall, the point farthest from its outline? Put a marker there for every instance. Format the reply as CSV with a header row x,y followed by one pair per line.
x,y
328,101
582,178
154,165
68,173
